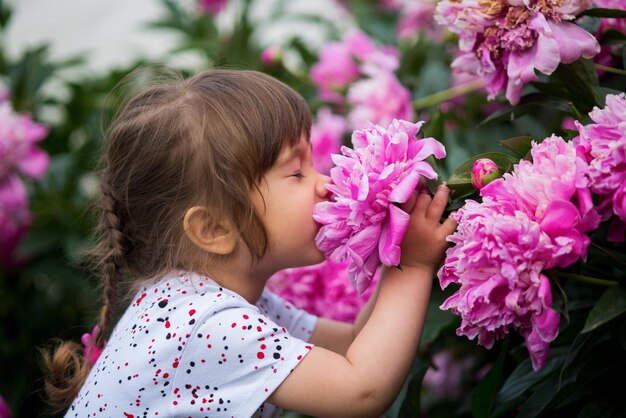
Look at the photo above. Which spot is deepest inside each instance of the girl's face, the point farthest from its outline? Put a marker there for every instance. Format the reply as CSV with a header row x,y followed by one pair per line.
x,y
289,192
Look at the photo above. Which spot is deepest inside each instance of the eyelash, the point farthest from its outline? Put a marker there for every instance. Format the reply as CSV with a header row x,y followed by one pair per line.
x,y
299,175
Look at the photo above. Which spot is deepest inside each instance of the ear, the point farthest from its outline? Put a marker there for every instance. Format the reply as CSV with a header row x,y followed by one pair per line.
x,y
211,234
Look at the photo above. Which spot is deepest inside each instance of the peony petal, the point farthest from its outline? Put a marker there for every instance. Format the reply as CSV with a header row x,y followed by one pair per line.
x,y
393,231
403,190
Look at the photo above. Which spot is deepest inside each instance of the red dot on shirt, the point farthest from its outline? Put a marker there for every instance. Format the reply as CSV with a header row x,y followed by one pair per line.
x,y
192,311
260,355
263,346
233,325
259,329
245,316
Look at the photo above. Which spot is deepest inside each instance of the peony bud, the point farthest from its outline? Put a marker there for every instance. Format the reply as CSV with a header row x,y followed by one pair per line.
x,y
484,172
272,56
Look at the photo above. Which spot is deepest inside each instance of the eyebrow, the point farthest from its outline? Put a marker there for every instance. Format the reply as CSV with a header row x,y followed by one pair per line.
x,y
295,152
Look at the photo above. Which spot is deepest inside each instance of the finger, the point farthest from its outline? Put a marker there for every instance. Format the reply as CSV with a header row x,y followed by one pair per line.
x,y
409,205
449,225
439,203
422,203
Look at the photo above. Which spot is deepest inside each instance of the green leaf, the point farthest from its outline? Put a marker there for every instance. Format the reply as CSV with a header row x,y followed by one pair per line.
x,y
411,406
530,103
484,395
523,377
520,145
602,12
610,305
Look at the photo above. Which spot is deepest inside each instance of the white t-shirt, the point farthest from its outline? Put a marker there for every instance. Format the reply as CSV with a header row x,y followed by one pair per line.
x,y
187,347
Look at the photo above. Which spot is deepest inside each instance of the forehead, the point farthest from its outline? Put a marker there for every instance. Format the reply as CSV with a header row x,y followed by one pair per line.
x,y
289,152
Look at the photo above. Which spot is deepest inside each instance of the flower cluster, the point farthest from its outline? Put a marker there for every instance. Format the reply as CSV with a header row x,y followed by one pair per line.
x,y
19,154
212,7
607,23
418,17
326,136
323,290
360,74
360,223
603,146
531,220
505,41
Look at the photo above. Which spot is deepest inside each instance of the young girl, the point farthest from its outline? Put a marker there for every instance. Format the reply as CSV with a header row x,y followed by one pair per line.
x,y
207,190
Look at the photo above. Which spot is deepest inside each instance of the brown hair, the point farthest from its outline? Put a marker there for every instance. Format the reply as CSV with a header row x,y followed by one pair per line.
x,y
207,140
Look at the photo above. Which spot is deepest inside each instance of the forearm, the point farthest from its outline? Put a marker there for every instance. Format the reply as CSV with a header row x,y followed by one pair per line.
x,y
367,310
384,350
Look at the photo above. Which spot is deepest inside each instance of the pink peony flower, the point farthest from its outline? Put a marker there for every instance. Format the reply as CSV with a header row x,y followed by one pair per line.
x,y
446,378
530,220
603,146
271,56
323,290
505,41
15,218
91,349
212,7
484,172
419,17
18,138
342,63
326,137
378,99
360,223
5,411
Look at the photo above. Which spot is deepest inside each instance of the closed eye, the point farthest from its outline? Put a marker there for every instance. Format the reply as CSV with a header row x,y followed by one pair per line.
x,y
298,174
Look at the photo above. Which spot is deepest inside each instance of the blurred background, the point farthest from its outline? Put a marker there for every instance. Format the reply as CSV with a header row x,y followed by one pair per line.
x,y
59,61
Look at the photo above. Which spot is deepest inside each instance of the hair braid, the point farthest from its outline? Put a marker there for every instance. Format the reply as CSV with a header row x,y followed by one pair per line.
x,y
112,259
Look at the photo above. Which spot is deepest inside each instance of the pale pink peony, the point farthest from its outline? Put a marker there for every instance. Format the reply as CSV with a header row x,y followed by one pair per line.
x,y
529,221
378,99
504,42
603,146
19,136
326,137
360,223
418,17
323,290
342,63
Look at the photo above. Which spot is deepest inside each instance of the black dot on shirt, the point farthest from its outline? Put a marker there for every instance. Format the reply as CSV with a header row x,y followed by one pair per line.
x,y
276,356
163,303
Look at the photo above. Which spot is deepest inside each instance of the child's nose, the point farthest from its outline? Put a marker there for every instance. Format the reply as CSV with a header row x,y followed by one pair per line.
x,y
320,187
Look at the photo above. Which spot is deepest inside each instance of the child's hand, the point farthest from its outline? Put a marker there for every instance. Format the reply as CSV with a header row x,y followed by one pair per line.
x,y
424,243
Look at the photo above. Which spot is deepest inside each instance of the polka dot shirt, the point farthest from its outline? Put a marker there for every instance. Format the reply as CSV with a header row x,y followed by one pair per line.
x,y
187,347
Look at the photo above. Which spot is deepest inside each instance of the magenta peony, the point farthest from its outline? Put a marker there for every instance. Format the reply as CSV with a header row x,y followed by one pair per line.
x,y
530,220
212,7
506,41
603,146
360,223
5,411
271,56
484,171
323,290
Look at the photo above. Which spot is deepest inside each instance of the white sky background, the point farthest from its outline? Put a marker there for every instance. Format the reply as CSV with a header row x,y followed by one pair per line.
x,y
112,32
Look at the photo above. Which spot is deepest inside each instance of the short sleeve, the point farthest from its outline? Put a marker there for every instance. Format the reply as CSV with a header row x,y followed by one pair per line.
x,y
236,358
298,322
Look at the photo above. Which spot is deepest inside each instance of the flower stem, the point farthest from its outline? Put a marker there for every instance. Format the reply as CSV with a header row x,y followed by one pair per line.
x,y
449,94
582,278
610,69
